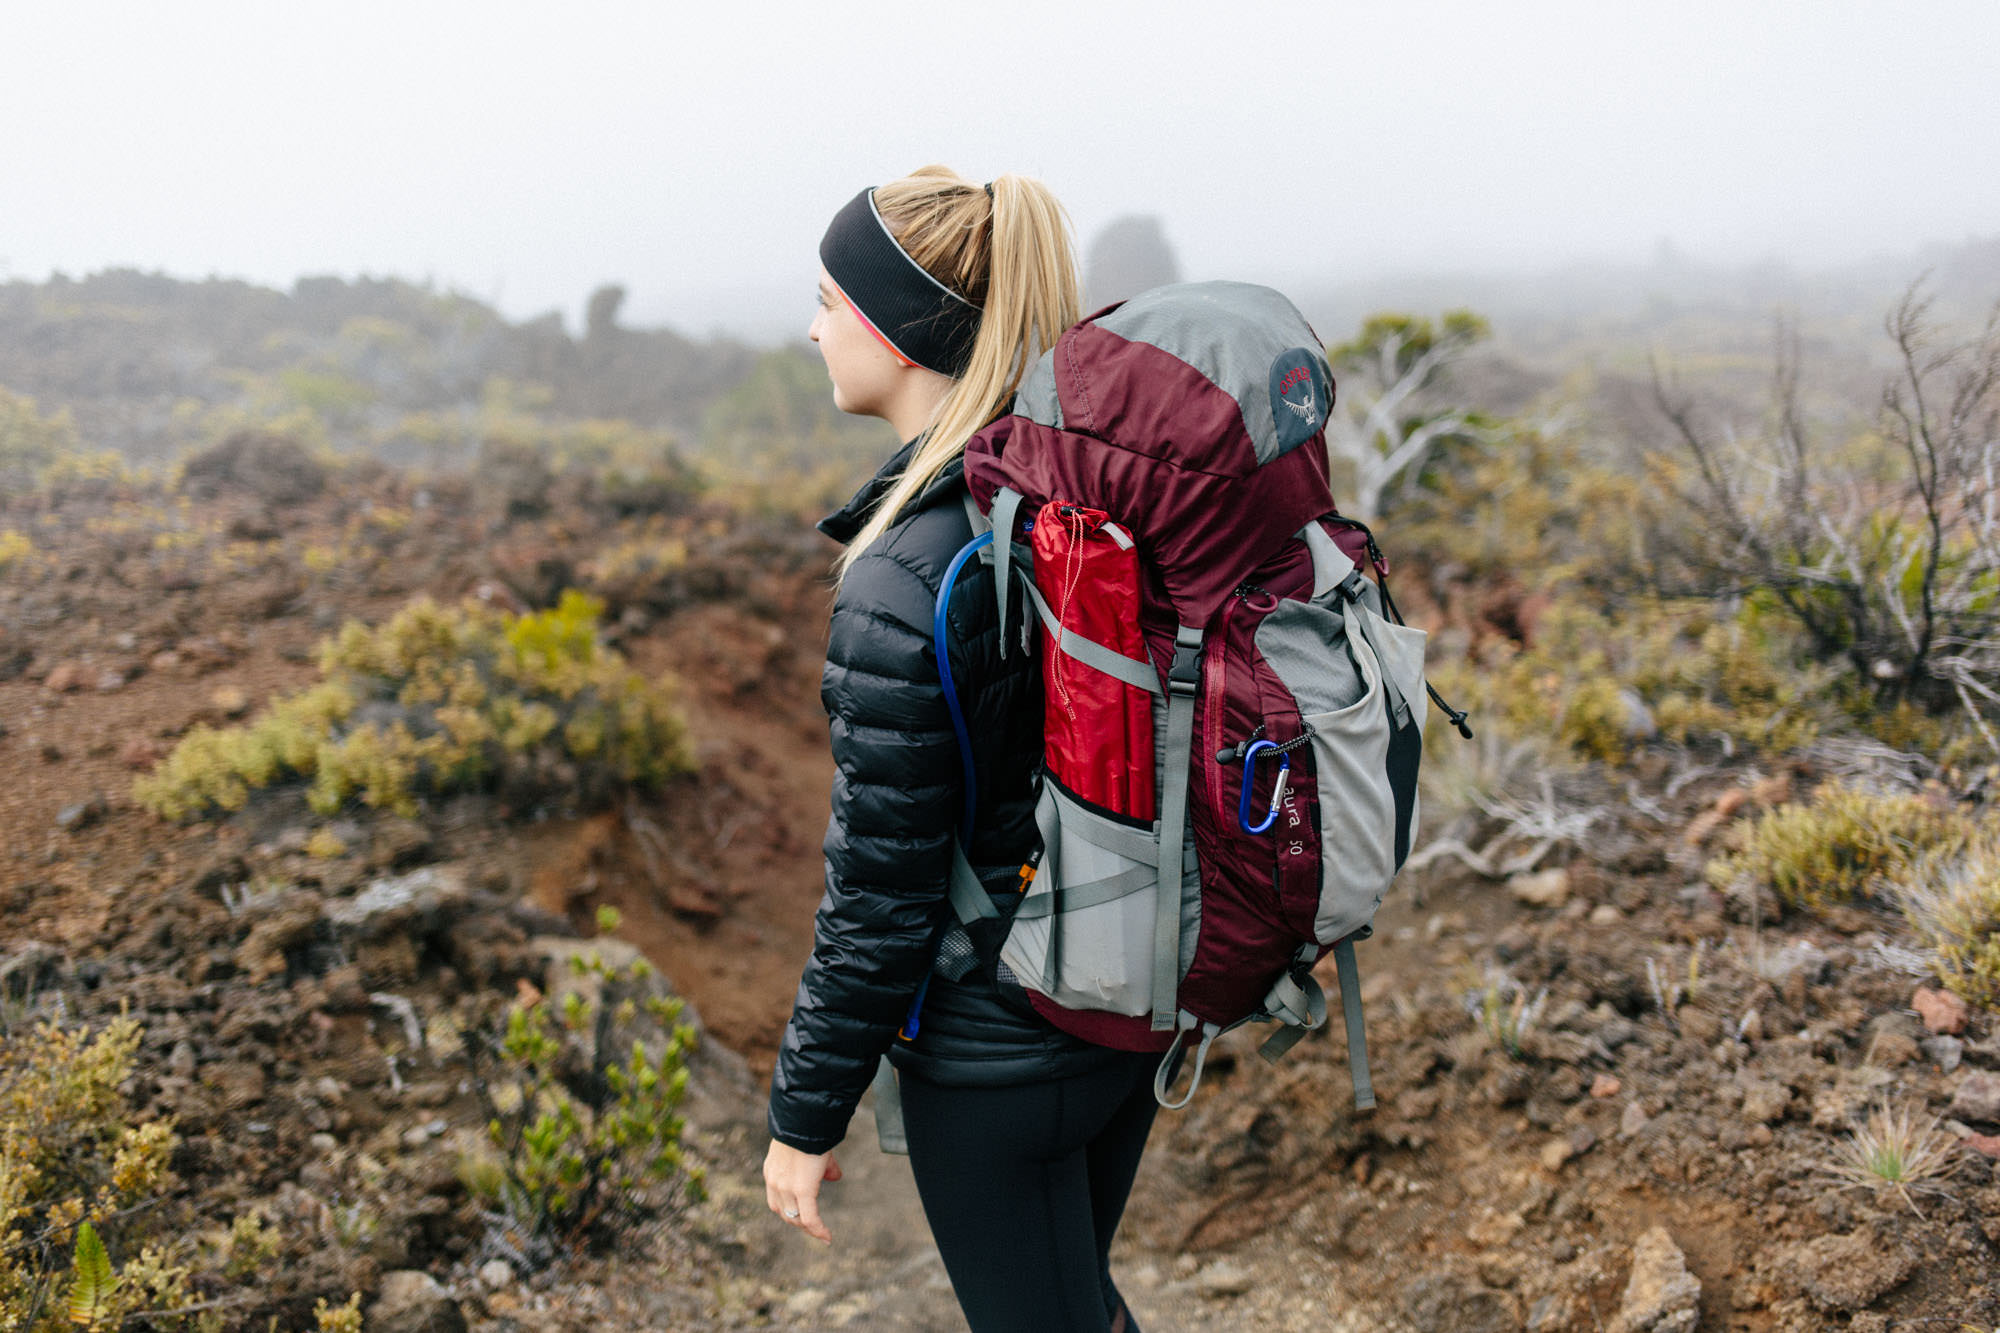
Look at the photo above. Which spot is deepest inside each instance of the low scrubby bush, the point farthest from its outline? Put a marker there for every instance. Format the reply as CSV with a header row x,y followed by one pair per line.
x,y
440,699
1845,842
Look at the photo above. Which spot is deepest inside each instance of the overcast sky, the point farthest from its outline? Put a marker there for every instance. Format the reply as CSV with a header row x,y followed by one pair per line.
x,y
527,153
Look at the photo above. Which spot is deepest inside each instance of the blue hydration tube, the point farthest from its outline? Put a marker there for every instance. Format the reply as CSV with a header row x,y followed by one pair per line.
x,y
940,642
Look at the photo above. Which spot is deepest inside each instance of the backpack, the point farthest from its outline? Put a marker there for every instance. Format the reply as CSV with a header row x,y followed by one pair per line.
x,y
1233,724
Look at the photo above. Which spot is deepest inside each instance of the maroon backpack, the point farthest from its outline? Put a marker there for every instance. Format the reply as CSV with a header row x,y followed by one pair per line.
x,y
1233,726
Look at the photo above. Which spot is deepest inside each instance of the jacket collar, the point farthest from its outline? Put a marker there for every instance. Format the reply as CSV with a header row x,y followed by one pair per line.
x,y
846,522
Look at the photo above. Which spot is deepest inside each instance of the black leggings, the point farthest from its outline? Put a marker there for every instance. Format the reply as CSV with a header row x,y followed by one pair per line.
x,y
1023,1187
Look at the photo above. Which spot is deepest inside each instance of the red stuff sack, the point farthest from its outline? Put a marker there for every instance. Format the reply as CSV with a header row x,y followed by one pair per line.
x,y
1097,736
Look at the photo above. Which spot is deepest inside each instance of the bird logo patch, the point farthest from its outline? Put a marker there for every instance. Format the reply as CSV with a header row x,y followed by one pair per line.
x,y
1301,392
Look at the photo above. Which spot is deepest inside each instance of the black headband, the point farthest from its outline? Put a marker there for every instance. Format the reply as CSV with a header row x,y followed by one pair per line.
x,y
923,321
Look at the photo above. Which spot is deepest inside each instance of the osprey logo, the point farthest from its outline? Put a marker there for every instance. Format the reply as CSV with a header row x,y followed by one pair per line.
x,y
1296,379
1308,410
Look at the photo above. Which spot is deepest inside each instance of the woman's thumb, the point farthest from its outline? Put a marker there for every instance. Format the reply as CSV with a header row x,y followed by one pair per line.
x,y
832,1170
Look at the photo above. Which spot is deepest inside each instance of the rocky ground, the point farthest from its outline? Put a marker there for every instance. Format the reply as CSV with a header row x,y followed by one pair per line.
x,y
1654,1146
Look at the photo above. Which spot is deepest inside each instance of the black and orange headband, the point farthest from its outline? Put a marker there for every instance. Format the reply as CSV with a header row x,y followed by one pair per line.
x,y
922,321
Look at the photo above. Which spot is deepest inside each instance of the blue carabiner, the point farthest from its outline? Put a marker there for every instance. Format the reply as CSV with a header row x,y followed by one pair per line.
x,y
1277,788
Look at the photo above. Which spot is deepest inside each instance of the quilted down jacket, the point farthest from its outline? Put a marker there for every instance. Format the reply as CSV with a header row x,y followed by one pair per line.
x,y
897,800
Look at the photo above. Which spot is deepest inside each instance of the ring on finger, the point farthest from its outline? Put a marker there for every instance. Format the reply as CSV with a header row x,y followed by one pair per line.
x,y
792,1213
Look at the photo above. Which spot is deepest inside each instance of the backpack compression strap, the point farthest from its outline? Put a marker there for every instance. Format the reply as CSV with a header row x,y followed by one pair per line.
x,y
1183,677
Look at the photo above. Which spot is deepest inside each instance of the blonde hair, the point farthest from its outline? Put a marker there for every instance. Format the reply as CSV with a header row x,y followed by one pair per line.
x,y
1011,255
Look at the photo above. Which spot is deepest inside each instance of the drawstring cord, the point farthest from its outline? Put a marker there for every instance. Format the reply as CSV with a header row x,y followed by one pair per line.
x,y
1072,573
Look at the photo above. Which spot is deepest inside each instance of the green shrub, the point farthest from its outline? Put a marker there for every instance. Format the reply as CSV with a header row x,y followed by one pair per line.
x,y
439,699
1845,842
577,1157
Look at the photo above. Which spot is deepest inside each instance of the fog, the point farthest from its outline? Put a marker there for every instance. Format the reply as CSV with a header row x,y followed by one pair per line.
x,y
526,154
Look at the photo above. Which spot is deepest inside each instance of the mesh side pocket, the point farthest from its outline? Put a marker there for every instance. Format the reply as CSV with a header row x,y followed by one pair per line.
x,y
955,954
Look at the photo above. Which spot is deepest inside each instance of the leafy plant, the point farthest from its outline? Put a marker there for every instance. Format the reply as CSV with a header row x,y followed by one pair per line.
x,y
586,1139
74,1169
1503,1011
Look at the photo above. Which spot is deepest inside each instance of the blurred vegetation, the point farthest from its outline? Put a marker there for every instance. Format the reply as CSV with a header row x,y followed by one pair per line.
x,y
442,699
1803,589
1952,901
417,378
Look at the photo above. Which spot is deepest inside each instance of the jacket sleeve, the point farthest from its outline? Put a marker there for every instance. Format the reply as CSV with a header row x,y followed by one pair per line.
x,y
888,846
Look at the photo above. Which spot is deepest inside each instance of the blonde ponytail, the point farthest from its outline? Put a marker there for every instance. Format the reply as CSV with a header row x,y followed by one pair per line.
x,y
1010,254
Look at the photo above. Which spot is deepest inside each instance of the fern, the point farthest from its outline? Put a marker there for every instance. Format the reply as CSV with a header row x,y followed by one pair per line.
x,y
90,1297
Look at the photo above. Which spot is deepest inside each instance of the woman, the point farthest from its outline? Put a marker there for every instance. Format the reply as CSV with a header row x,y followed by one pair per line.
x,y
936,294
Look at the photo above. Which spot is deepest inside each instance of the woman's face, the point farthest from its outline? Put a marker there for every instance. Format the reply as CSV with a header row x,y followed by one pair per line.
x,y
866,375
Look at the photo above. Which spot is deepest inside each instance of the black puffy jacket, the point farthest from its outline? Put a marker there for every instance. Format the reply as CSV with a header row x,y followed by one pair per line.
x,y
897,801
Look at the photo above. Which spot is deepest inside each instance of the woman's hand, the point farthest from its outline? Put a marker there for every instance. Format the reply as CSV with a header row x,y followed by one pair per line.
x,y
791,1186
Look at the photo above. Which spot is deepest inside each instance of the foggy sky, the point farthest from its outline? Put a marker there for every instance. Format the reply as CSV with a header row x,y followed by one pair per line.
x,y
527,153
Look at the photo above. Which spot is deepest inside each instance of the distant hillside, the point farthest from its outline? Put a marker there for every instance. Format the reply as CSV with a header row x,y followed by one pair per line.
x,y
135,357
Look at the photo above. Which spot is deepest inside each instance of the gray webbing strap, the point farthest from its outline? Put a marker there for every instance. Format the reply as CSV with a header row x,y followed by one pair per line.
x,y
1076,897
1006,503
969,898
1331,565
1357,1038
889,1131
1133,671
1182,680
1049,824
1301,1008
1187,1023
1131,843
978,521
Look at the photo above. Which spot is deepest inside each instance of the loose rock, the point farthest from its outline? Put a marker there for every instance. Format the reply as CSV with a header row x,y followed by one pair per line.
x,y
1845,1272
1447,1301
1548,888
410,1301
1941,1011
1977,1097
1223,1278
1765,1101
1661,1296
